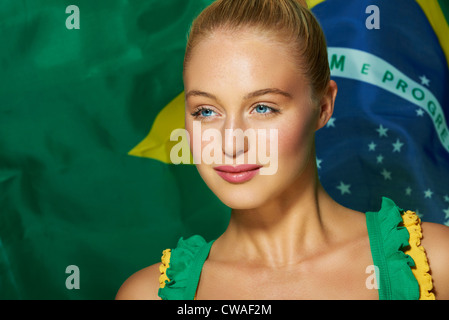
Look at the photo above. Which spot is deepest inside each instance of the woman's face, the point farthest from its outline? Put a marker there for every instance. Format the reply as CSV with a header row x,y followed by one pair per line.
x,y
246,81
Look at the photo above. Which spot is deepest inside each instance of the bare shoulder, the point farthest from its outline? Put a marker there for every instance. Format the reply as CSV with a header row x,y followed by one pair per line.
x,y
436,244
142,285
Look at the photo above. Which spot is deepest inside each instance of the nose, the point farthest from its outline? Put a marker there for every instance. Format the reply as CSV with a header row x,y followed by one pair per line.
x,y
236,142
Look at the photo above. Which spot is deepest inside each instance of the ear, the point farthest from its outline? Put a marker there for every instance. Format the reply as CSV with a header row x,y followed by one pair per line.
x,y
326,104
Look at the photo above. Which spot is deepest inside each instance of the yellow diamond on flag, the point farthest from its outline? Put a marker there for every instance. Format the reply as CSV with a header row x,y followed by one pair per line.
x,y
157,144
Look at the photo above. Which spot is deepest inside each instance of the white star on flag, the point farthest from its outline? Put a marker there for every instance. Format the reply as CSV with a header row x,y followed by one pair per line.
x,y
397,146
424,81
380,158
386,174
318,163
447,213
446,218
382,131
419,112
428,193
344,188
408,191
331,123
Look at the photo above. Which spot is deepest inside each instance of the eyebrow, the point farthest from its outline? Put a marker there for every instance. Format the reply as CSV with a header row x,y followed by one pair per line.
x,y
254,94
263,92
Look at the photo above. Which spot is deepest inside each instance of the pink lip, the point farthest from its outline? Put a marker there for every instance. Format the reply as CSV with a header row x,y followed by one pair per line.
x,y
238,174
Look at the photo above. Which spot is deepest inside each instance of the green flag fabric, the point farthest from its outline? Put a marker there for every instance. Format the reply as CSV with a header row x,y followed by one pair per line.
x,y
81,83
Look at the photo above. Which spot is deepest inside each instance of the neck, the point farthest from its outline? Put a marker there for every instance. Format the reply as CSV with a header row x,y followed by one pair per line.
x,y
286,229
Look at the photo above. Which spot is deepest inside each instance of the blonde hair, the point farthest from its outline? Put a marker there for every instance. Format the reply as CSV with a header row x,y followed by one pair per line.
x,y
289,20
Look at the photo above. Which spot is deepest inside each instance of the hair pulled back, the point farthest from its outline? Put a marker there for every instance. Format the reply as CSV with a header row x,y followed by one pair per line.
x,y
289,21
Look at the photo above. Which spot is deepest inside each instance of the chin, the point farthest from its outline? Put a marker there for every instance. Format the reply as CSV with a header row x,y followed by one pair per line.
x,y
241,202
249,195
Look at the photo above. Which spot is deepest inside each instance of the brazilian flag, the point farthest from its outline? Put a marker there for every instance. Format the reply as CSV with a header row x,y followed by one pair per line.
x,y
389,134
91,90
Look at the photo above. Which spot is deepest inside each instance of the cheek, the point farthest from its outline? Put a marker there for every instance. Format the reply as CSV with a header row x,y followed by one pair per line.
x,y
194,139
195,132
295,139
205,143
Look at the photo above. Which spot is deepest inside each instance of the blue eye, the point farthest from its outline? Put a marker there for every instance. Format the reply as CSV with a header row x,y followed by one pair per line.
x,y
265,110
262,108
207,112
203,113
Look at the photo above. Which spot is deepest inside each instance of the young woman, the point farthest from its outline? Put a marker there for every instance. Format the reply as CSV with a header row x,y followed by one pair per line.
x,y
262,65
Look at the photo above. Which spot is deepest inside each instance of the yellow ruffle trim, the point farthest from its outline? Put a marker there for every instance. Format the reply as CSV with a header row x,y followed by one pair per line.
x,y
165,264
421,270
163,267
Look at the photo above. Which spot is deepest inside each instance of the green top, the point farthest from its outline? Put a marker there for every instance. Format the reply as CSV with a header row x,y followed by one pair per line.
x,y
388,239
